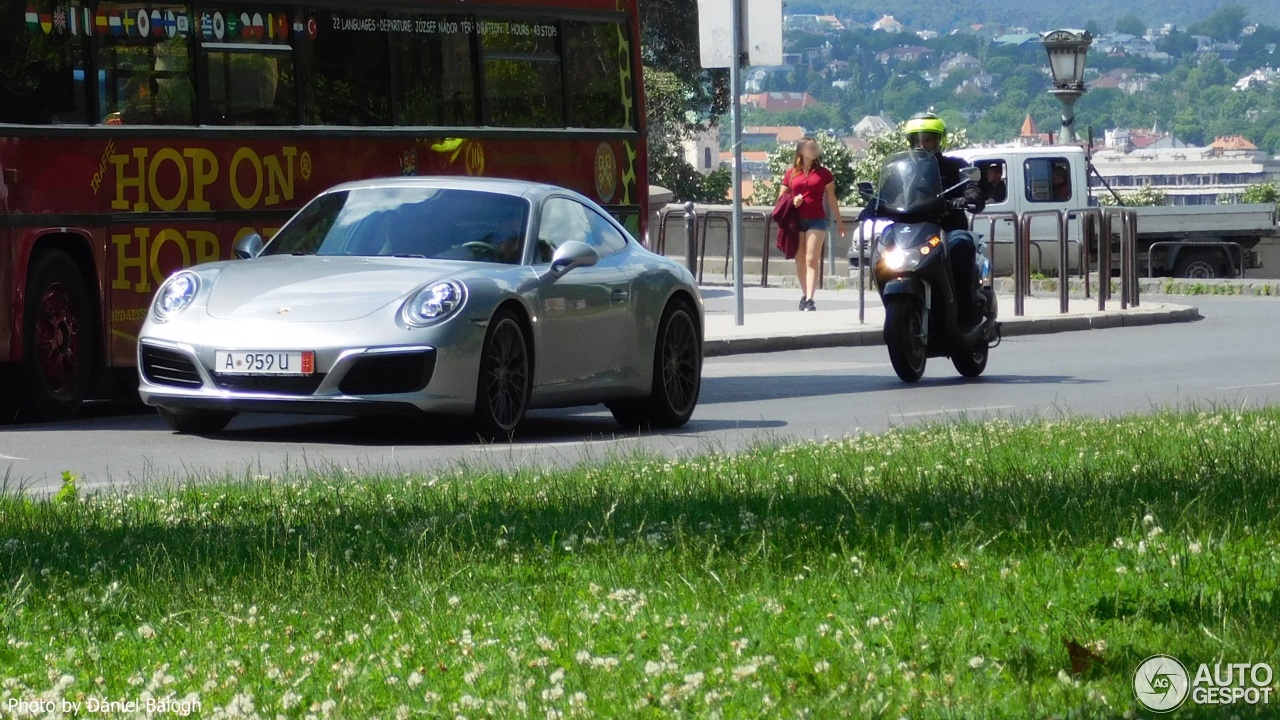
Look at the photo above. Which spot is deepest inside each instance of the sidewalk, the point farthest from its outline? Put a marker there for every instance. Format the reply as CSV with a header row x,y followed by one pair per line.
x,y
773,322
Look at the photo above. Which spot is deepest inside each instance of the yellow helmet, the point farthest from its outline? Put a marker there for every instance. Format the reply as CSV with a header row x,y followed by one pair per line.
x,y
925,124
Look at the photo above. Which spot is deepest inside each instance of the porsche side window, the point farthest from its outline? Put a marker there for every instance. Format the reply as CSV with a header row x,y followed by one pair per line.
x,y
562,220
605,238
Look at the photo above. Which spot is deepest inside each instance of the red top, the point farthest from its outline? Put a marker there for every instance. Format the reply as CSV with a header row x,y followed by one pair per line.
x,y
812,186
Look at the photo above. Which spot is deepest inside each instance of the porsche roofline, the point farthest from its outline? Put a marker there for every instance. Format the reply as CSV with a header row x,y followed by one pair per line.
x,y
503,186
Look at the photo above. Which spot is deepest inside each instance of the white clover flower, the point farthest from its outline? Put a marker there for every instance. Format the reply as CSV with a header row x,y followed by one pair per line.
x,y
1194,547
415,679
977,661
147,632
821,666
454,601
1122,570
557,677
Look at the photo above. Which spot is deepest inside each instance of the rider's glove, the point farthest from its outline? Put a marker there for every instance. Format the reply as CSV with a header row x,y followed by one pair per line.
x,y
958,203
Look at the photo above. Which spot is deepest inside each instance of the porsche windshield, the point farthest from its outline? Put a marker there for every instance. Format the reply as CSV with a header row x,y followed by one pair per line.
x,y
910,183
417,222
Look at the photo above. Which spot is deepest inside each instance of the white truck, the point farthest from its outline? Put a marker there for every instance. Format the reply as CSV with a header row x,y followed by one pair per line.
x,y
1200,241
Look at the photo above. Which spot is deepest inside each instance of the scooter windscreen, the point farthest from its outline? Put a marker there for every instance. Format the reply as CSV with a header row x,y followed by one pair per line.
x,y
910,184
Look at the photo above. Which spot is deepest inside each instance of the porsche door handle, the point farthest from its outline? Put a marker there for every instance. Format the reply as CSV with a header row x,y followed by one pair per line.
x,y
619,296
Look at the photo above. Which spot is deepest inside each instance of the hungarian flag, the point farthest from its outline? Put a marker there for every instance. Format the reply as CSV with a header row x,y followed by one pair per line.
x,y
33,19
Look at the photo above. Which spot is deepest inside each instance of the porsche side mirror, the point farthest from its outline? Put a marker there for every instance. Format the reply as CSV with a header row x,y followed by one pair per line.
x,y
249,247
573,254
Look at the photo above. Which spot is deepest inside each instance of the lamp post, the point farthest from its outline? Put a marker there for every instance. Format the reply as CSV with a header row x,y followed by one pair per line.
x,y
1067,50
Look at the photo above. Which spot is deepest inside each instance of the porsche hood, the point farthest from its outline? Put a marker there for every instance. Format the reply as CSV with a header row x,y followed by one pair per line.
x,y
319,289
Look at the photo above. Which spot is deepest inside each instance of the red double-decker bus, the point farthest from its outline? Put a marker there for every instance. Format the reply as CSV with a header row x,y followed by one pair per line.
x,y
137,138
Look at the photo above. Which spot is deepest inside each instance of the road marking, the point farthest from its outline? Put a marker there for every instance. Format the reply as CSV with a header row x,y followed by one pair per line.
x,y
948,411
788,367
1246,387
10,457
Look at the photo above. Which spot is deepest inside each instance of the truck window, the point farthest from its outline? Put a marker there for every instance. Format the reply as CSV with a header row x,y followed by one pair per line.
x,y
1048,180
994,181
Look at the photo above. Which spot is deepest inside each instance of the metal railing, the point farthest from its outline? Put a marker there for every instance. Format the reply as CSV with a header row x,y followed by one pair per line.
x,y
1128,220
1090,231
1022,257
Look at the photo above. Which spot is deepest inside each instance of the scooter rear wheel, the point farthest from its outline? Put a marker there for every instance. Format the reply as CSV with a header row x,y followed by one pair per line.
x,y
903,330
972,362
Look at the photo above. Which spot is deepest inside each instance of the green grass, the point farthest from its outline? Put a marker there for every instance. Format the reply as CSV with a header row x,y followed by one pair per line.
x,y
925,573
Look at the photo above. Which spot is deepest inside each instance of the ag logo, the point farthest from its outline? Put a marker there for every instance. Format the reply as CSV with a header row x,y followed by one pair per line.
x,y
1161,683
606,172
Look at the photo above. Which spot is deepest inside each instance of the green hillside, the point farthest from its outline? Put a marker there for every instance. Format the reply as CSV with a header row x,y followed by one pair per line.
x,y
944,15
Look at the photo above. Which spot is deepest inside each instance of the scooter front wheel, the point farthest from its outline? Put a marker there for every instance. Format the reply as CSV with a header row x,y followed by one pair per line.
x,y
903,334
972,362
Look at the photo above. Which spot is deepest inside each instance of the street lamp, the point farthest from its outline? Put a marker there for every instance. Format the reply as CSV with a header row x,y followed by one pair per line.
x,y
1067,50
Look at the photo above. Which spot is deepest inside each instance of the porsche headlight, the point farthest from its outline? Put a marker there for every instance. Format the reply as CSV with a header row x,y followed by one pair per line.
x,y
175,295
434,303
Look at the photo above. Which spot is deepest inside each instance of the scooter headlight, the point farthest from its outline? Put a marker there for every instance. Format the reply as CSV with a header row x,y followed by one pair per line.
x,y
895,259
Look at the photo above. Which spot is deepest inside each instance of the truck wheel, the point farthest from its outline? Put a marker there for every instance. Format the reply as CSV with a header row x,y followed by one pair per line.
x,y
60,345
1199,266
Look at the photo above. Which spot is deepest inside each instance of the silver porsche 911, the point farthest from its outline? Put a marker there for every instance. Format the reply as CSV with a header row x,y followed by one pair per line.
x,y
467,296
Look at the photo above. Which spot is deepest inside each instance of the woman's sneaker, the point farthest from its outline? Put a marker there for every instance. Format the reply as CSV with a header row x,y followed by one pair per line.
x,y
810,306
804,303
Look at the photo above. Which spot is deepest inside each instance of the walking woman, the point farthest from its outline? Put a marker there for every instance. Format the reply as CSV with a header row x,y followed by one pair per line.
x,y
811,184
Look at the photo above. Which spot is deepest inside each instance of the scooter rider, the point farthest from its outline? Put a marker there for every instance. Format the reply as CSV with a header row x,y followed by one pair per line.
x,y
927,131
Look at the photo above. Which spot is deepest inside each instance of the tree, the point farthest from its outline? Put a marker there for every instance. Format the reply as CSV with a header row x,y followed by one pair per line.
x,y
1147,196
1131,24
1177,44
1224,25
1268,192
1093,28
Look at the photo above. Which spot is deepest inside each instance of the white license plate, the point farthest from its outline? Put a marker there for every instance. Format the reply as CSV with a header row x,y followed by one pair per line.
x,y
240,362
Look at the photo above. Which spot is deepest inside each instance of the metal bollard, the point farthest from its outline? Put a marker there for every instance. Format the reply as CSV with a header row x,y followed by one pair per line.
x,y
691,238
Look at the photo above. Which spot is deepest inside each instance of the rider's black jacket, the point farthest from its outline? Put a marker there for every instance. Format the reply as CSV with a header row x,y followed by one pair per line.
x,y
973,193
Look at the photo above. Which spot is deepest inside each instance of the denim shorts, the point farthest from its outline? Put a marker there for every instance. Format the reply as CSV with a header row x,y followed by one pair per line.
x,y
819,224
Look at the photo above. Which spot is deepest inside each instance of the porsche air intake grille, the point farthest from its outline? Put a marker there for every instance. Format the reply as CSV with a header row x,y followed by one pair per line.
x,y
169,367
281,385
390,373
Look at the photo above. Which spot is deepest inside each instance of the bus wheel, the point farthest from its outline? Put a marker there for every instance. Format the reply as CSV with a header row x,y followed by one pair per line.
x,y
60,339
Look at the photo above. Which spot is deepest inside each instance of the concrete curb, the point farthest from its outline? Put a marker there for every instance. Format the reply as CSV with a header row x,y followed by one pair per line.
x,y
1013,327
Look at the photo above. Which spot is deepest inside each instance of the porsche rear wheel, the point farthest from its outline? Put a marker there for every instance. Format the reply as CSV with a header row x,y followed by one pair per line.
x,y
196,422
506,378
677,375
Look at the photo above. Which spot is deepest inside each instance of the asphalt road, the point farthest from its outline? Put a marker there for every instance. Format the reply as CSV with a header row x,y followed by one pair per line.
x,y
1230,357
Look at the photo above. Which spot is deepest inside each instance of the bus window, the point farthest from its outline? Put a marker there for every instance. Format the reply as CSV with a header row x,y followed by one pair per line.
x,y
435,77
348,69
524,86
248,73
148,80
40,64
598,71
